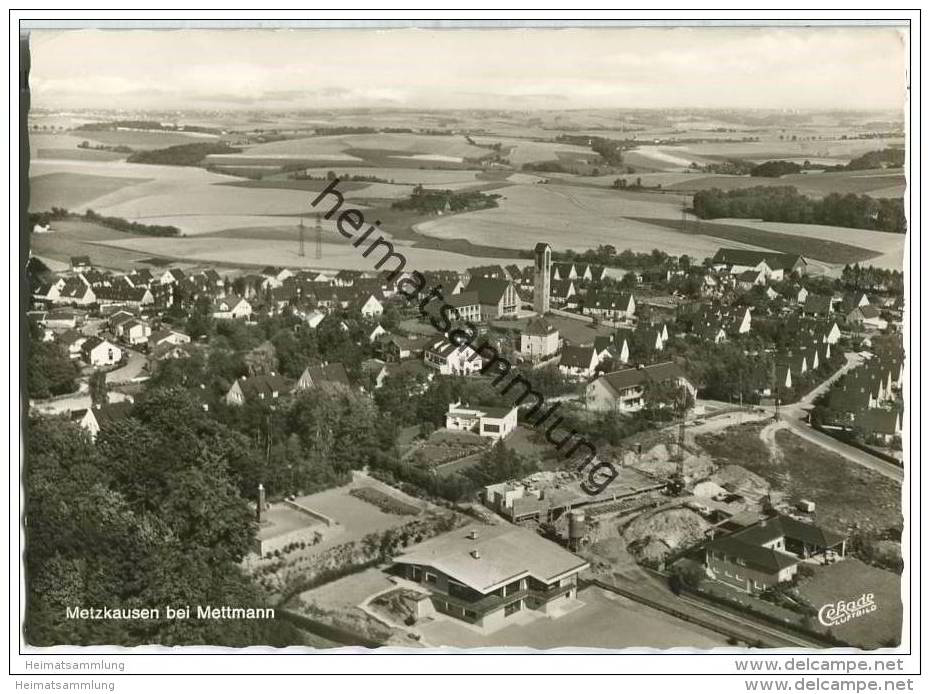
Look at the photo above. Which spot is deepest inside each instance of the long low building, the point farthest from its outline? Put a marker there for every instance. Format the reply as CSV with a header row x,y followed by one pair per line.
x,y
484,575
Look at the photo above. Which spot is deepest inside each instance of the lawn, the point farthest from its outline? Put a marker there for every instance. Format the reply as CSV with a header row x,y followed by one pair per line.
x,y
808,246
847,581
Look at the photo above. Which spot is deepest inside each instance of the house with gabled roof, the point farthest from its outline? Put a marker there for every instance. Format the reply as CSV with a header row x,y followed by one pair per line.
x,y
231,307
450,359
497,297
769,552
264,387
623,390
325,373
99,352
611,306
578,362
171,276
92,419
867,316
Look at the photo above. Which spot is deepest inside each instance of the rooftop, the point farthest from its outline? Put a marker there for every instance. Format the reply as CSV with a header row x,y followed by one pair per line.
x,y
504,553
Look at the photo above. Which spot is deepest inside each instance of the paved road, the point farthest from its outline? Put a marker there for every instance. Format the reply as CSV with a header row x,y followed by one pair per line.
x,y
795,418
133,368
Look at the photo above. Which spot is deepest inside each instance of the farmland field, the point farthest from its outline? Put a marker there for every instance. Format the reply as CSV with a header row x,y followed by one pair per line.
x,y
70,190
809,246
889,248
72,237
142,139
381,148
877,183
255,252
61,146
572,217
521,152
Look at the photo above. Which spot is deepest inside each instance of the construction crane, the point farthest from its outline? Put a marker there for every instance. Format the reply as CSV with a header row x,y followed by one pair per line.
x,y
676,483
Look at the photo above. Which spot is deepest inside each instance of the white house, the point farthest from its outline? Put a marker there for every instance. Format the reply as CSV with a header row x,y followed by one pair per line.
x,y
98,352
539,340
231,307
314,318
578,362
623,390
491,422
371,307
449,358
376,332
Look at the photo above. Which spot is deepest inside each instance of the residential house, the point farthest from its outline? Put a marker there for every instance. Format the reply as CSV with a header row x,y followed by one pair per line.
x,y
578,362
491,422
611,306
231,307
561,291
63,319
775,266
452,359
623,390
171,276
72,341
487,575
80,263
539,340
325,373
125,294
74,291
99,352
868,317
168,336
92,419
265,387
763,555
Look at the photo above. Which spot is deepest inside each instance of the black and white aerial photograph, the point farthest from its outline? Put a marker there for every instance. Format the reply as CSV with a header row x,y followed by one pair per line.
x,y
427,337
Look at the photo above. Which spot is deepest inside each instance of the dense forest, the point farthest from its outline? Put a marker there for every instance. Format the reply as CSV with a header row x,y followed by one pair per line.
x,y
433,201
182,155
785,204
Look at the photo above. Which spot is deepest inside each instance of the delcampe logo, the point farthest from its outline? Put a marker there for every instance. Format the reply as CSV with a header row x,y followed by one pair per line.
x,y
835,613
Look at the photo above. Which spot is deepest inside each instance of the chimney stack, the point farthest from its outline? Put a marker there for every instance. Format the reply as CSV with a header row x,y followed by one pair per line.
x,y
475,554
261,502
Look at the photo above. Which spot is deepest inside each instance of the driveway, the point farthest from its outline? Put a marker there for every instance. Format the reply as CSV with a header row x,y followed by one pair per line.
x,y
135,363
603,620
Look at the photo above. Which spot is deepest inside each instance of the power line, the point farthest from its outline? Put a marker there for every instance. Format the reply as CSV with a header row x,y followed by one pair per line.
x,y
300,237
319,238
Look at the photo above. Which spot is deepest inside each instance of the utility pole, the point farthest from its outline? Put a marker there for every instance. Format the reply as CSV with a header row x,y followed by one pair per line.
x,y
300,239
319,238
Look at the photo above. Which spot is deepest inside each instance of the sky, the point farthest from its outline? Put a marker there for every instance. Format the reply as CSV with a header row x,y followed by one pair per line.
x,y
780,68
